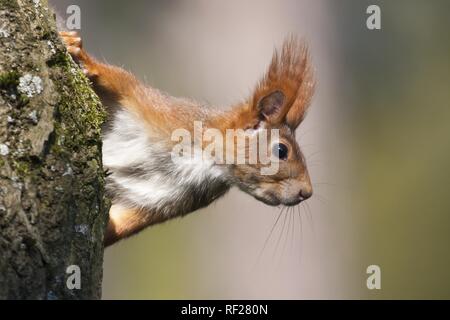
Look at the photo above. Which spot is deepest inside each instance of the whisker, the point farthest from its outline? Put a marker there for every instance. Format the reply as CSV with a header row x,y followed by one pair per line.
x,y
287,233
301,233
270,235
281,234
293,228
309,215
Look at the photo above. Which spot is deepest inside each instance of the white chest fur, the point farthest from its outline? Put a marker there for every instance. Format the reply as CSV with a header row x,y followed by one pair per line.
x,y
144,175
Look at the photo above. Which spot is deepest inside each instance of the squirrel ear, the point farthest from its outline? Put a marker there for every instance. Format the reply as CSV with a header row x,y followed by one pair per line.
x,y
271,106
285,91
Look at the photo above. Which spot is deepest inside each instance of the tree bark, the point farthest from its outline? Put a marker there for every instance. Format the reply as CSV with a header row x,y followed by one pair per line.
x,y
52,205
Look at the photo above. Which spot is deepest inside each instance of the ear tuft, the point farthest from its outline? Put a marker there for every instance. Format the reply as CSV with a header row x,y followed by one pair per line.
x,y
289,76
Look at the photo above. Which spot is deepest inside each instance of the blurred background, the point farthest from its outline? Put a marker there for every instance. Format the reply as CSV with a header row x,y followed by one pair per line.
x,y
376,139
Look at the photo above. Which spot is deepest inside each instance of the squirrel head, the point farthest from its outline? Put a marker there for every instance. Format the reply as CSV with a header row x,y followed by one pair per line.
x,y
279,101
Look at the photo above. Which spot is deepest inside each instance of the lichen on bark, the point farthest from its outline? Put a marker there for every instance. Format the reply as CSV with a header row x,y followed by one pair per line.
x,y
52,205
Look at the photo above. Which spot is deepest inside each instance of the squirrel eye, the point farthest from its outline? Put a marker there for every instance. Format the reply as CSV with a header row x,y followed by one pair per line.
x,y
280,151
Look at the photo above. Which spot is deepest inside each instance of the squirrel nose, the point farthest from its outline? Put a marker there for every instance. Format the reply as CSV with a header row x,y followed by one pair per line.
x,y
305,193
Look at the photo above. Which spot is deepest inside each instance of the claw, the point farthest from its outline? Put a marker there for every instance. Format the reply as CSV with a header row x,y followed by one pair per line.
x,y
68,33
74,46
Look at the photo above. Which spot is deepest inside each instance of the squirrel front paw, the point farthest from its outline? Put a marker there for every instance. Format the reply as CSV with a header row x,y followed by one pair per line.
x,y
75,48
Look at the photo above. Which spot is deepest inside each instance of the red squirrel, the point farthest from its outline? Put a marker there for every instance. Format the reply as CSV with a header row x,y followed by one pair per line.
x,y
147,187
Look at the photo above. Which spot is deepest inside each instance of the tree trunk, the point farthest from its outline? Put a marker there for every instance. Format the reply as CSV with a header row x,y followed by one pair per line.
x,y
52,205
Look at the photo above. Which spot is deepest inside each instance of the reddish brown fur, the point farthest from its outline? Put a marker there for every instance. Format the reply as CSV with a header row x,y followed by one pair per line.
x,y
289,72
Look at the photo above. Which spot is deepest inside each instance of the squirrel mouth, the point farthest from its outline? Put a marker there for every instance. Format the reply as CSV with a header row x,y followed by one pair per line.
x,y
269,199
292,203
272,200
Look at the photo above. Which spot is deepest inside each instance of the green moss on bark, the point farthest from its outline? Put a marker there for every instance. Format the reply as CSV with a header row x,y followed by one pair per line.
x,y
52,205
